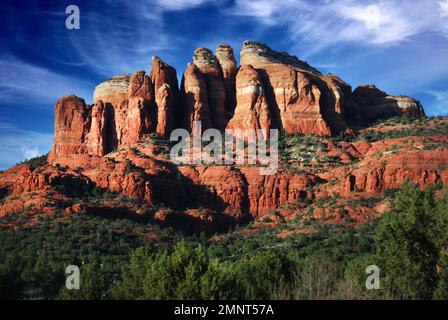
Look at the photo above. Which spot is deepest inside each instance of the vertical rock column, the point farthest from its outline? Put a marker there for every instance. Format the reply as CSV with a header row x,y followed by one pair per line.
x,y
167,97
194,98
139,119
97,137
252,111
207,63
114,94
72,123
226,59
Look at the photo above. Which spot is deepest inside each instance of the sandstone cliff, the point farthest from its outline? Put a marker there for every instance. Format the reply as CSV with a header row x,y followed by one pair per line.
x,y
111,144
302,100
372,104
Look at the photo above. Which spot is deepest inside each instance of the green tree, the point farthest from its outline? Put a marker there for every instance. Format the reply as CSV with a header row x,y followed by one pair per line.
x,y
441,240
220,282
261,274
95,280
130,287
176,275
407,256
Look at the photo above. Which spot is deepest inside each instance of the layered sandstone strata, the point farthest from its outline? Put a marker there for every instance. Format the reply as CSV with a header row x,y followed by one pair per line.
x,y
270,90
114,90
373,104
114,94
252,111
229,68
167,97
208,65
195,98
97,137
302,100
72,124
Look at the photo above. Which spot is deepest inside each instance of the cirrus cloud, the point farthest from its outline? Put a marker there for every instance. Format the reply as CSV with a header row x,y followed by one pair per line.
x,y
321,24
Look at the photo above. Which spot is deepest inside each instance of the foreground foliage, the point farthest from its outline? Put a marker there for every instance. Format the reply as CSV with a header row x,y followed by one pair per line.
x,y
119,261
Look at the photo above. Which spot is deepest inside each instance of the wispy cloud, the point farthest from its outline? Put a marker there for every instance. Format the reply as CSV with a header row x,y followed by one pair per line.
x,y
444,8
21,81
444,14
439,106
321,24
119,38
17,144
266,11
127,42
179,4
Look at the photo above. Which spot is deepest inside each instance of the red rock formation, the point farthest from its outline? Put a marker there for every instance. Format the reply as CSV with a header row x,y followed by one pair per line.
x,y
30,180
229,68
304,99
267,193
245,192
208,65
165,121
422,167
140,86
72,123
166,87
137,120
113,91
140,116
373,104
252,111
194,98
96,139
161,73
129,103
227,184
271,89
342,98
114,94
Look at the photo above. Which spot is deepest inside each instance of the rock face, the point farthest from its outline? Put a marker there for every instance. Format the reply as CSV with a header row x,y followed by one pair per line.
x,y
421,167
194,98
243,193
252,111
208,65
373,104
269,90
166,88
72,123
137,121
114,94
227,62
140,86
140,115
114,90
165,120
302,100
97,137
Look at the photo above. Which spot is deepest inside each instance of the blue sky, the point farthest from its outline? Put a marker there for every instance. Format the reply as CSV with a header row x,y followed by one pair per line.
x,y
401,46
